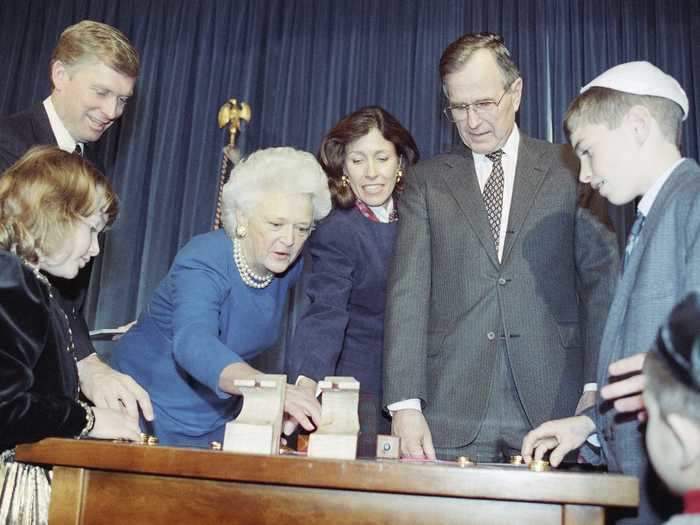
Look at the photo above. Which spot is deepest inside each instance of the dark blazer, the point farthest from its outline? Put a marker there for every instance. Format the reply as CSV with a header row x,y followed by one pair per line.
x,y
341,327
450,301
662,269
18,133
38,376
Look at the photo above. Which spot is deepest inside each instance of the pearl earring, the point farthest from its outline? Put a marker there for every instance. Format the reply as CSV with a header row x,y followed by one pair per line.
x,y
344,181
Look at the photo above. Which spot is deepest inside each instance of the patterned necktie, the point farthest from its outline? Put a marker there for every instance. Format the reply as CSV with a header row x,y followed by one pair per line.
x,y
639,219
493,194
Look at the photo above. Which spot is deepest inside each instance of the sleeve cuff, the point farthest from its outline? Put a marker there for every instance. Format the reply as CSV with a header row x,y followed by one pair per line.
x,y
402,405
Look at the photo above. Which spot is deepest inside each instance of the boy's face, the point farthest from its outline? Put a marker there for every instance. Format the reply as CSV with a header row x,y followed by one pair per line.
x,y
608,160
664,449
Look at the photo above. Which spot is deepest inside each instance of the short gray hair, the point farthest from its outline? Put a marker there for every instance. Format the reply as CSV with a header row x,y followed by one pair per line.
x,y
283,170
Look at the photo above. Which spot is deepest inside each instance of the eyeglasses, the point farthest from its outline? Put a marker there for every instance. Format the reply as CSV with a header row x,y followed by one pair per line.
x,y
482,109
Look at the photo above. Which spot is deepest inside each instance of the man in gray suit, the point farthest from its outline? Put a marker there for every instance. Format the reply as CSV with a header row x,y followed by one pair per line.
x,y
626,127
500,282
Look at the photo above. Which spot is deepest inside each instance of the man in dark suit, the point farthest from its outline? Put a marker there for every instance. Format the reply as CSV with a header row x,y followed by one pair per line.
x,y
93,70
500,281
626,128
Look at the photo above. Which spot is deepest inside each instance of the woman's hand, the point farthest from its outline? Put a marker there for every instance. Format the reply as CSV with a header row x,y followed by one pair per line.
x,y
107,388
114,424
303,408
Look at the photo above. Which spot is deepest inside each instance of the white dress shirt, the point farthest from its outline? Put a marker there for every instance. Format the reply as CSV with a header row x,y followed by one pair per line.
x,y
64,139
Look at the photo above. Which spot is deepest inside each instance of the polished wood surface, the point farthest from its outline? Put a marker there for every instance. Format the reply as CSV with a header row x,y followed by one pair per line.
x,y
105,482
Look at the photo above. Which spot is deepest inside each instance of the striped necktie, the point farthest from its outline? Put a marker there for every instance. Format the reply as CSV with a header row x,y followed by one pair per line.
x,y
639,219
493,194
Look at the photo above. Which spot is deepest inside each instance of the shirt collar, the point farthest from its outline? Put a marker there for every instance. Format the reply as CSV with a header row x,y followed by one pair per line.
x,y
383,213
649,197
64,139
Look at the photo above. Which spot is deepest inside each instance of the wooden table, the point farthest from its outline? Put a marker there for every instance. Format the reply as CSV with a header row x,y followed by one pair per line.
x,y
104,482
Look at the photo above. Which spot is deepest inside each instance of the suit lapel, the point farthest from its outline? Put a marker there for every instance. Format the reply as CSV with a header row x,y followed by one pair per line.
x,y
460,177
627,282
529,175
41,127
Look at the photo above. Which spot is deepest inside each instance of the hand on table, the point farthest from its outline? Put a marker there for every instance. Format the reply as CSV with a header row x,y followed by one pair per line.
x,y
114,424
107,388
561,436
416,440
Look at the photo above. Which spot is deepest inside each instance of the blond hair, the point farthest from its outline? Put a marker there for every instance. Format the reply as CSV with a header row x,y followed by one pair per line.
x,y
89,40
43,194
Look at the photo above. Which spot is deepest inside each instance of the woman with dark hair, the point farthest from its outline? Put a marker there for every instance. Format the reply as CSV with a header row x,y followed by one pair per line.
x,y
340,330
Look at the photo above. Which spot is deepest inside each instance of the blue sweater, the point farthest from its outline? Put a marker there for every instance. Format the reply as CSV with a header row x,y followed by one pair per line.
x,y
202,317
341,327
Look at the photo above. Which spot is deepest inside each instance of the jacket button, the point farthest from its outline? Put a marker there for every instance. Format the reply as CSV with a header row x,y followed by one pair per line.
x,y
502,281
491,336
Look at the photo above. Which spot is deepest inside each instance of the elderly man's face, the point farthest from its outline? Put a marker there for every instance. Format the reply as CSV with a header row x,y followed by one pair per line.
x,y
89,97
481,80
277,228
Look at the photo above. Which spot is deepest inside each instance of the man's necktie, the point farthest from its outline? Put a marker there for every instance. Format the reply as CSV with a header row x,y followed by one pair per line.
x,y
78,150
633,236
493,194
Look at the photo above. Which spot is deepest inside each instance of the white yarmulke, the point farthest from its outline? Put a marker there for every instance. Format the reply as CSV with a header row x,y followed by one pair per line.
x,y
642,78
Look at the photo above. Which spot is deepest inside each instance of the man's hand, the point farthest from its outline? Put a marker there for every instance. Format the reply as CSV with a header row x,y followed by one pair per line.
x,y
107,388
627,393
416,441
561,436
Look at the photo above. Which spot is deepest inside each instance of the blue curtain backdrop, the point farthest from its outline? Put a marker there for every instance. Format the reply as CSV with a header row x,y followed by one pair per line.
x,y
302,64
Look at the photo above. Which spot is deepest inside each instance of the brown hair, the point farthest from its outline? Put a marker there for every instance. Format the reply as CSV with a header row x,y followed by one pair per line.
x,y
460,51
43,194
94,40
601,105
352,127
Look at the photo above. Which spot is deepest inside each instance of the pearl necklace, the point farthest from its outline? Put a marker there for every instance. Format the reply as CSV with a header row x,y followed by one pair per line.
x,y
248,276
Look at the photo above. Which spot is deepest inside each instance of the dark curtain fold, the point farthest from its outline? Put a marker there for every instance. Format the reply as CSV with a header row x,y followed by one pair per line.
x,y
301,65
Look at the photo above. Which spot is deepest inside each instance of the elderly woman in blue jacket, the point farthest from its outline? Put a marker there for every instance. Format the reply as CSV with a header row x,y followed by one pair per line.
x,y
222,301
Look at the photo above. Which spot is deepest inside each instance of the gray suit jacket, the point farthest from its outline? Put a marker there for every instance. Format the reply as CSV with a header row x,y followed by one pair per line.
x,y
450,302
663,267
